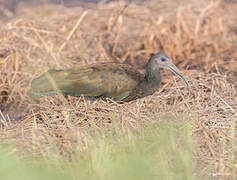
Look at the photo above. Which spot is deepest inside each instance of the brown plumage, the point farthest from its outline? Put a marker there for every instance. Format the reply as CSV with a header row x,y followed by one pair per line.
x,y
119,81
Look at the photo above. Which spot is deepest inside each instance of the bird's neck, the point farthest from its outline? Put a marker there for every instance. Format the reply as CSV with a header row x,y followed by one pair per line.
x,y
148,85
151,82
153,76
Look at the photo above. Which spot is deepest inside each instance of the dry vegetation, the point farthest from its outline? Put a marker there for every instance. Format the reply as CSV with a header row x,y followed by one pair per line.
x,y
201,38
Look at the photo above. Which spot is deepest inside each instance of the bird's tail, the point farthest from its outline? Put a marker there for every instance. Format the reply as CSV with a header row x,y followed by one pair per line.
x,y
45,85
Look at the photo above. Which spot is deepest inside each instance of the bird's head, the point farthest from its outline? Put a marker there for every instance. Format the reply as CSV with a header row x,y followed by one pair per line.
x,y
163,61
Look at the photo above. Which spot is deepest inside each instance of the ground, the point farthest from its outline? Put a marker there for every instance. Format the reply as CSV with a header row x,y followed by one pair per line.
x,y
200,37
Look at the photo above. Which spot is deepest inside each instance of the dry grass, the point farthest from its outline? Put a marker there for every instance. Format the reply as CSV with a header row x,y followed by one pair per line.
x,y
200,37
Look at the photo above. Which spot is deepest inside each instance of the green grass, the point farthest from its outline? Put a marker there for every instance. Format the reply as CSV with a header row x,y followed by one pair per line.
x,y
163,152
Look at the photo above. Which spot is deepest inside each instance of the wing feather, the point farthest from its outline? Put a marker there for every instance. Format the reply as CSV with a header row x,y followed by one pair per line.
x,y
111,80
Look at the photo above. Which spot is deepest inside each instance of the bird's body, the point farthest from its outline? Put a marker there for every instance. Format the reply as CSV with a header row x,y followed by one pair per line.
x,y
118,81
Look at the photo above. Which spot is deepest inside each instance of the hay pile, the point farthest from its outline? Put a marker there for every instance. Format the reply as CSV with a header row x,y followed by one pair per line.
x,y
200,37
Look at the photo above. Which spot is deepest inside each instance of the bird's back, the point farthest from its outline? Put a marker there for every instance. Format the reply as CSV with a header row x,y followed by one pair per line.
x,y
106,79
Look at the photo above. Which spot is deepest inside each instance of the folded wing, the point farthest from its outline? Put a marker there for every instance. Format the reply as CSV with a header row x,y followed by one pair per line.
x,y
108,80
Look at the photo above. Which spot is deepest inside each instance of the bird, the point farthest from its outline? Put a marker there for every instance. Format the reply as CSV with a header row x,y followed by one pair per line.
x,y
121,82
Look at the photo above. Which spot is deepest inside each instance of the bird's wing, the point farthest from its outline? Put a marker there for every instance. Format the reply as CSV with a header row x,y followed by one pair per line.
x,y
112,80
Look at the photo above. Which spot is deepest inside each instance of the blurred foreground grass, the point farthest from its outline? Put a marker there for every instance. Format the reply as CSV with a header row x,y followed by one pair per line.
x,y
163,152
200,37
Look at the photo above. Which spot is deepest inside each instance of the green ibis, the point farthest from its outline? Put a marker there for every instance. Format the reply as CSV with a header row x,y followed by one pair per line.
x,y
121,82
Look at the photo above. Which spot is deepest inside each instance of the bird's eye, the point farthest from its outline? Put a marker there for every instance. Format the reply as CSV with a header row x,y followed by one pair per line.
x,y
163,59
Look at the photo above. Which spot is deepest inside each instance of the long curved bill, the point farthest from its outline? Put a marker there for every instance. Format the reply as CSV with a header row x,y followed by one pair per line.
x,y
176,71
